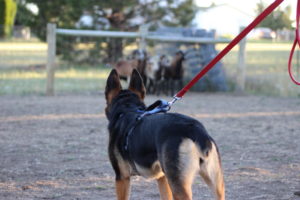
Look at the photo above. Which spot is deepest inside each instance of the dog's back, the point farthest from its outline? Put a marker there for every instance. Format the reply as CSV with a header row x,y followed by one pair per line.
x,y
176,146
158,129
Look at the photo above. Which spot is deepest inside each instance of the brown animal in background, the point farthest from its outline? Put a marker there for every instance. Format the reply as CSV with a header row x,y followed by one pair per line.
x,y
140,56
125,67
137,60
159,75
176,69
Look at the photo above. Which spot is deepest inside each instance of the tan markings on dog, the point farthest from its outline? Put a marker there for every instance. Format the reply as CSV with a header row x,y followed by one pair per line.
x,y
123,189
189,156
155,172
125,169
164,188
113,86
112,95
140,94
211,172
136,85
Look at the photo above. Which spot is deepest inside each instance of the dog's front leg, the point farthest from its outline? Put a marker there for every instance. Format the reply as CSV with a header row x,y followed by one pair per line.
x,y
123,188
164,189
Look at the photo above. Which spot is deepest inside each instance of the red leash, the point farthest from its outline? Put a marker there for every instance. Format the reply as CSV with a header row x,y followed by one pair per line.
x,y
296,41
235,41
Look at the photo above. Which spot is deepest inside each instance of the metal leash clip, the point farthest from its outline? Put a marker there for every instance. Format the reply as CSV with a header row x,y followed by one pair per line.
x,y
175,98
158,107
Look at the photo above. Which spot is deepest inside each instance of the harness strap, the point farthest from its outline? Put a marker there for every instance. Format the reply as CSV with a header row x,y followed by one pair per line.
x,y
128,136
156,107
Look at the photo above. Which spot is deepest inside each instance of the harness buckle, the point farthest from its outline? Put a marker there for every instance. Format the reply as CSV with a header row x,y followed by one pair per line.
x,y
156,107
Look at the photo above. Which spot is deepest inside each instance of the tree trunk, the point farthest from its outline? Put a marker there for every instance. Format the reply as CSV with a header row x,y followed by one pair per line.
x,y
114,49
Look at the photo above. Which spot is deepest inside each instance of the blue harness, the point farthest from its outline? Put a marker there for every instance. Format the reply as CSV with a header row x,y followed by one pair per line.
x,y
160,106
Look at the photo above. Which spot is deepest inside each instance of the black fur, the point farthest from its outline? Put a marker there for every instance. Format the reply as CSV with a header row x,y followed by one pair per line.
x,y
154,137
168,147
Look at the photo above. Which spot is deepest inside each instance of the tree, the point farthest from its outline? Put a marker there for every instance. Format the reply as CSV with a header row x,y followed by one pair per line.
x,y
277,20
121,14
8,10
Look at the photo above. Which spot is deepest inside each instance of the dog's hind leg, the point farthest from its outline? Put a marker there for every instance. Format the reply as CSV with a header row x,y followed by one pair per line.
x,y
211,172
164,188
180,187
123,188
181,164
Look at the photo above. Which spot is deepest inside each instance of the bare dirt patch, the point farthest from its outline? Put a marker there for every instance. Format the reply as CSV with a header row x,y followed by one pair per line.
x,y
56,147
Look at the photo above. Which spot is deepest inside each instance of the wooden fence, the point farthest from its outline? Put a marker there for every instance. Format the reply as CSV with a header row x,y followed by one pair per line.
x,y
143,36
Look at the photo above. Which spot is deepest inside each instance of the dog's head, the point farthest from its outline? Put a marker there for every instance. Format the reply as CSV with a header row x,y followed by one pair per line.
x,y
113,89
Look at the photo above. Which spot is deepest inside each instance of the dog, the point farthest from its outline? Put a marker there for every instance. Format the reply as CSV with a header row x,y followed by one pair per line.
x,y
168,147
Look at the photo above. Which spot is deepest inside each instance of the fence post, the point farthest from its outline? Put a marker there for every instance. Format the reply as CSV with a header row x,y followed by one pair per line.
x,y
51,41
241,67
143,30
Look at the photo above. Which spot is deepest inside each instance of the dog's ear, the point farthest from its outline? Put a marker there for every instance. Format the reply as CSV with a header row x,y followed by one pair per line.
x,y
136,84
113,86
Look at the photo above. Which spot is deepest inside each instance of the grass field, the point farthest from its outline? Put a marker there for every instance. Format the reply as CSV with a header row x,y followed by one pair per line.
x,y
266,68
19,54
71,80
22,70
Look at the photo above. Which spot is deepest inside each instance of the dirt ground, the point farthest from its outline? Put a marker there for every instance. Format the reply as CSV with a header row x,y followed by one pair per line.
x,y
56,147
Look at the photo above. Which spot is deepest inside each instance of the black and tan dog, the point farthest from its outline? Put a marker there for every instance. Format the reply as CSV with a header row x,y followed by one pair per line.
x,y
168,147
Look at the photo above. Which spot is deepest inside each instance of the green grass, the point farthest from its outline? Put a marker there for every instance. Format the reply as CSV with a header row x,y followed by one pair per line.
x,y
22,70
71,80
20,54
266,68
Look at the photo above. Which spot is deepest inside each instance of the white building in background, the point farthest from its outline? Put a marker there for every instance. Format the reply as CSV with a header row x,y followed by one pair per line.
x,y
225,19
227,16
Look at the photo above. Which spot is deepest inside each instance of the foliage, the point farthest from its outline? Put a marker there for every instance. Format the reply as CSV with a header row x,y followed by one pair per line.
x,y
122,15
8,10
277,20
184,9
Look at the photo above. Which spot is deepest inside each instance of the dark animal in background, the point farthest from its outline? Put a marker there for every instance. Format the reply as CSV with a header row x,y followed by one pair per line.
x,y
140,56
161,78
168,147
159,74
175,73
151,69
170,74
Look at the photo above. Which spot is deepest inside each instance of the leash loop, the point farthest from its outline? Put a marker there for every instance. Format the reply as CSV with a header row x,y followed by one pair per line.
x,y
296,42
